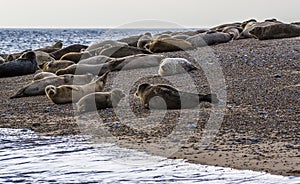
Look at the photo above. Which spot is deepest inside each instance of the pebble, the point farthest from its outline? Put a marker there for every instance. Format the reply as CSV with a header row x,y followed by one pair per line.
x,y
278,75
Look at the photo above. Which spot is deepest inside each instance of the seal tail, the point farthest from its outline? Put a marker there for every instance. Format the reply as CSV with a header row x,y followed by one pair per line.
x,y
212,98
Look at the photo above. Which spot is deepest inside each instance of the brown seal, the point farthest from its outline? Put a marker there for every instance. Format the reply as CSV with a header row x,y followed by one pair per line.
x,y
76,56
72,93
119,52
161,96
168,45
54,66
100,100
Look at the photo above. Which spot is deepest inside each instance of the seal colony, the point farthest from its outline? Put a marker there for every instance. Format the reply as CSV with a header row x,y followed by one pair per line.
x,y
167,64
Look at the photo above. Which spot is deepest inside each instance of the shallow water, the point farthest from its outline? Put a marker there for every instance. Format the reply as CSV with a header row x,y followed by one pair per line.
x,y
28,158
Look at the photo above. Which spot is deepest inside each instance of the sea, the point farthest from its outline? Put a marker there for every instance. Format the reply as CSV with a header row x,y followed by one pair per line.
x,y
28,158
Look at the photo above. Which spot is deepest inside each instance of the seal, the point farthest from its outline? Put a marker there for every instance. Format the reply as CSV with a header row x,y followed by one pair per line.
x,y
100,100
136,61
76,56
172,66
101,44
211,38
144,40
119,52
42,75
234,32
161,96
100,59
131,40
37,87
54,66
23,66
99,69
275,30
168,45
42,58
52,48
72,93
71,48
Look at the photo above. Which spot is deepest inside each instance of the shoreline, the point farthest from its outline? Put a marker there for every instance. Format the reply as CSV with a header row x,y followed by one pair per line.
x,y
260,130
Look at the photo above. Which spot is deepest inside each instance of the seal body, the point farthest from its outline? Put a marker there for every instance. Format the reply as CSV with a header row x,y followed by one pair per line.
x,y
72,93
123,51
54,66
37,87
100,100
25,65
172,66
137,61
71,48
168,45
161,96
42,75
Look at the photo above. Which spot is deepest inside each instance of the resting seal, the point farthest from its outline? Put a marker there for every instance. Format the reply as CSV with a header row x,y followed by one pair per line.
x,y
136,61
23,66
42,75
163,96
144,40
37,87
71,48
54,66
172,66
168,45
118,52
205,39
96,60
102,100
73,93
75,56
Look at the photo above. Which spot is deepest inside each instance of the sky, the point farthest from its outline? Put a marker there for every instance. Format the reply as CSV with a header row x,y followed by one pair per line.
x,y
140,13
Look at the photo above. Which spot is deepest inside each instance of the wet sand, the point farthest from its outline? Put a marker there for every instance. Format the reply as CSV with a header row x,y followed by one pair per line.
x,y
260,130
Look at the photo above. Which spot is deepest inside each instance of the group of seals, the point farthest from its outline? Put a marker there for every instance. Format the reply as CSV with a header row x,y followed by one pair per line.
x,y
37,86
72,93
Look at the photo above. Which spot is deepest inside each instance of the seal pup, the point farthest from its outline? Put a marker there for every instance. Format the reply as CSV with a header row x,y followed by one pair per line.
x,y
172,66
42,75
72,93
56,65
37,87
102,100
23,66
118,52
168,45
162,96
71,48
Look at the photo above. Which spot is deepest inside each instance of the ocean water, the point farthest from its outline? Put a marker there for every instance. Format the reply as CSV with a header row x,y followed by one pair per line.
x,y
28,158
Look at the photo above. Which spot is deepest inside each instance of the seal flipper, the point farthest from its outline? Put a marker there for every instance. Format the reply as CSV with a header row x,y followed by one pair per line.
x,y
19,94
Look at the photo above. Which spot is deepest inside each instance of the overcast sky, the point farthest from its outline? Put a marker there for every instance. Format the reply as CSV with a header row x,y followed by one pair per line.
x,y
115,13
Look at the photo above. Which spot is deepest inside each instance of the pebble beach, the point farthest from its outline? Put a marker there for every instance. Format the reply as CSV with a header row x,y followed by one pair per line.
x,y
260,129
